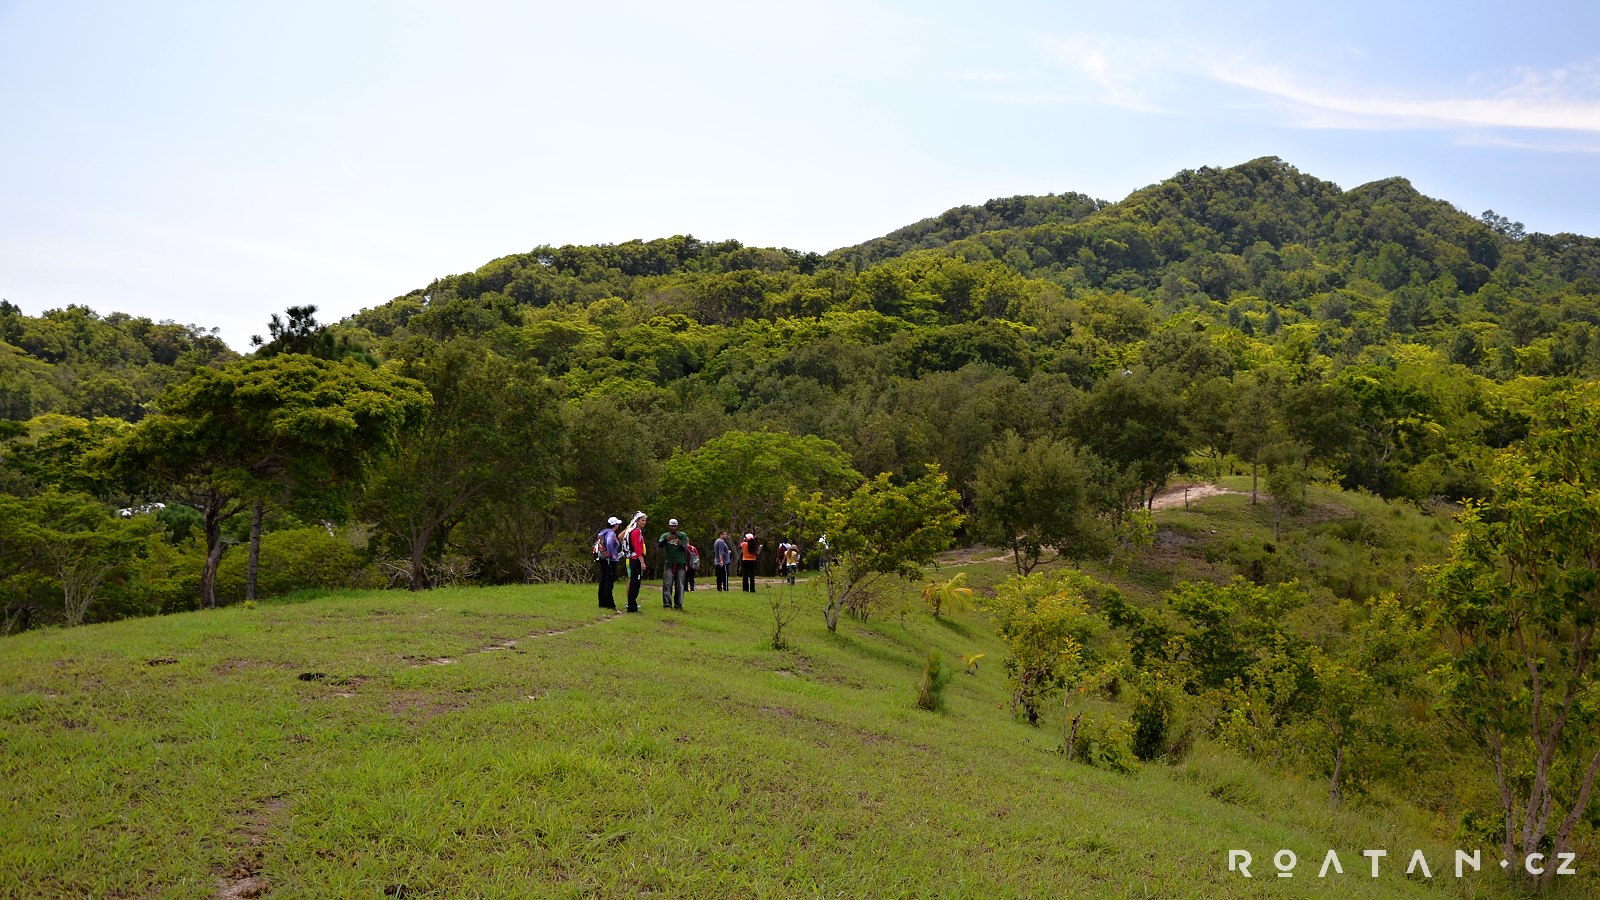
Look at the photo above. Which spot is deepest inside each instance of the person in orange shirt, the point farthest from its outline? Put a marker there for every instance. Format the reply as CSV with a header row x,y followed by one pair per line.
x,y
749,549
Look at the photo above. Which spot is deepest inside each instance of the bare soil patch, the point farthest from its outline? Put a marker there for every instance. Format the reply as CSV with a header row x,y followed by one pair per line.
x,y
243,878
1178,494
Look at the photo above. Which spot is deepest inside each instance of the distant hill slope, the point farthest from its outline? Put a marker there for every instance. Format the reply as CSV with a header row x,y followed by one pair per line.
x,y
968,221
1262,228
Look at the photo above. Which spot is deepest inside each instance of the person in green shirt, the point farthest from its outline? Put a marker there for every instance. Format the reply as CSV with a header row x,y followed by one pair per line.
x,y
674,546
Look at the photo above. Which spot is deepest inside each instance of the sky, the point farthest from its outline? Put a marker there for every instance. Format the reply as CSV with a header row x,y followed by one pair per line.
x,y
212,163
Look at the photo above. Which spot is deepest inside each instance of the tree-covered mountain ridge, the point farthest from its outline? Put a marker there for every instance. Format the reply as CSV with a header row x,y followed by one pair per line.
x,y
1027,374
1262,228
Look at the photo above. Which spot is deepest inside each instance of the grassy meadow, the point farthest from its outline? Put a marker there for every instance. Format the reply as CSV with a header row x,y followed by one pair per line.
x,y
515,742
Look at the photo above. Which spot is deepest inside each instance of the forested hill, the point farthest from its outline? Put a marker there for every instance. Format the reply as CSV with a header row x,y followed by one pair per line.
x,y
1259,234
1028,374
927,344
967,221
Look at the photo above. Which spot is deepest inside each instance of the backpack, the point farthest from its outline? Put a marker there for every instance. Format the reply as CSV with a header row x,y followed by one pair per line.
x,y
600,544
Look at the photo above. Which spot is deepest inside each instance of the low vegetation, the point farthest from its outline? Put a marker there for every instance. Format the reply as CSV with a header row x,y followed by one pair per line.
x,y
514,741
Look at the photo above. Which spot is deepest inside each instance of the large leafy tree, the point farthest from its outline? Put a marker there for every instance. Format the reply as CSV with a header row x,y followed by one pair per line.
x,y
256,428
69,542
738,481
1518,605
880,530
1135,420
495,431
1038,495
61,452
301,333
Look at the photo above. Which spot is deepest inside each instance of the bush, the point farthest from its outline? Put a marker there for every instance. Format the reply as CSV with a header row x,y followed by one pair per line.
x,y
166,580
1152,710
1161,730
180,522
1104,743
930,692
295,559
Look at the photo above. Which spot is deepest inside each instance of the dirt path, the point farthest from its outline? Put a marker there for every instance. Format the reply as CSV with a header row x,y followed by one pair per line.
x,y
1176,496
1167,499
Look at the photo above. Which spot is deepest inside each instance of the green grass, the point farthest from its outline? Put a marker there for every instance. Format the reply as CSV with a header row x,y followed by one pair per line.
x,y
665,754
1347,545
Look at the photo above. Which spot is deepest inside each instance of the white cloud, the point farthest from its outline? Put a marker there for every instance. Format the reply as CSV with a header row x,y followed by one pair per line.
x,y
1155,76
1541,100
1129,74
1478,139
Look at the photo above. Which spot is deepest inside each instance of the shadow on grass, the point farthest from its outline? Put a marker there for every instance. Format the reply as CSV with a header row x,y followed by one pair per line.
x,y
951,625
308,595
882,654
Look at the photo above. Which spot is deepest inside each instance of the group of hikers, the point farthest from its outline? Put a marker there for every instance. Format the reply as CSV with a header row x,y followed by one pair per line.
x,y
622,550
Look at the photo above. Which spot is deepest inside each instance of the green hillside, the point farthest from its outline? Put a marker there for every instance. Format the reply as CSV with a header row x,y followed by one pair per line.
x,y
507,742
1395,644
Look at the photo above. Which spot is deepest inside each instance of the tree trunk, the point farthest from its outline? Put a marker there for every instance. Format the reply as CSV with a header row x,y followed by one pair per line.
x,y
419,557
208,575
254,565
1563,838
1255,478
1333,784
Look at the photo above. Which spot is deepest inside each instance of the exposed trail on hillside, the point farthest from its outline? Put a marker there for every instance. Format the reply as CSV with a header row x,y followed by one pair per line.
x,y
1173,496
1176,496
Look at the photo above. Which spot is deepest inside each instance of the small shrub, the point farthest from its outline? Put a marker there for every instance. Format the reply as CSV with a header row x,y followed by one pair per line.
x,y
1103,743
1161,727
1152,712
930,691
948,597
783,612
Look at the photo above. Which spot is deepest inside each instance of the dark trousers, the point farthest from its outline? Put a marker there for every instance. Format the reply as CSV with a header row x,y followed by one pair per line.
x,y
608,580
672,584
635,576
747,571
688,579
722,578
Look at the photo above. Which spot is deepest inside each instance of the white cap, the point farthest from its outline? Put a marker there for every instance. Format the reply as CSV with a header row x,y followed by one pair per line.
x,y
673,522
613,521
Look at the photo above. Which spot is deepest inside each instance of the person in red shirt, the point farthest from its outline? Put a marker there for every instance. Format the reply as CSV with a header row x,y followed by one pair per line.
x,y
633,541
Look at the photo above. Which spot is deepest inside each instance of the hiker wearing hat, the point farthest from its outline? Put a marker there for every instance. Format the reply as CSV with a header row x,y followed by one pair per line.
x,y
633,548
608,552
722,559
791,561
749,548
674,546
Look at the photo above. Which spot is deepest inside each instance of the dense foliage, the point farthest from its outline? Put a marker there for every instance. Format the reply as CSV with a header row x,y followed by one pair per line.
x,y
1029,373
1248,318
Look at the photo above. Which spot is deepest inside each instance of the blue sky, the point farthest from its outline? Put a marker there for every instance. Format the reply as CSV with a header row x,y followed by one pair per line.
x,y
215,162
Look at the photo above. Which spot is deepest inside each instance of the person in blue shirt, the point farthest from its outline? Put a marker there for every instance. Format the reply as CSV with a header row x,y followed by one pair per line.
x,y
722,559
608,551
